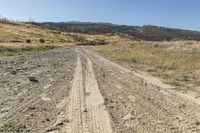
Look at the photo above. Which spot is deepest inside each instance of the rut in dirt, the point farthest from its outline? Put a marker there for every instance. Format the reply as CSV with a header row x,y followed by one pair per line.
x,y
99,97
86,110
141,103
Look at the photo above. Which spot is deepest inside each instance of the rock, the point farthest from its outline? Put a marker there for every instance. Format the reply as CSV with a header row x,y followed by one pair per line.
x,y
47,119
10,67
127,117
197,123
132,98
31,108
33,79
21,100
44,97
13,72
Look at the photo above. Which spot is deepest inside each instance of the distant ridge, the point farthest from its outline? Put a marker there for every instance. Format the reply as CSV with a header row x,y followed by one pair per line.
x,y
146,32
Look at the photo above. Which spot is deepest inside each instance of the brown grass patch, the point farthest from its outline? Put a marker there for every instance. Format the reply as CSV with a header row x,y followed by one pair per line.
x,y
24,32
177,62
11,49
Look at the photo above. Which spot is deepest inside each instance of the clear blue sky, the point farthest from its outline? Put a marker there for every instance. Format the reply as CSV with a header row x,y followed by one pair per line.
x,y
170,13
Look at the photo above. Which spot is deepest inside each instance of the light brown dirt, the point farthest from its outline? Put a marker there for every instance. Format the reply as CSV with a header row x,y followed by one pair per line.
x,y
80,92
95,104
86,111
26,106
138,104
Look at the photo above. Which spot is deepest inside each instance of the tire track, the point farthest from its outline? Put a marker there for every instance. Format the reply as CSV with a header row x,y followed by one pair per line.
x,y
76,105
86,112
100,122
139,104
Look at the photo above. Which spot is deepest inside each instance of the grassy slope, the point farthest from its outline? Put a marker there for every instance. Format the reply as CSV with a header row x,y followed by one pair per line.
x,y
13,39
14,36
177,62
22,32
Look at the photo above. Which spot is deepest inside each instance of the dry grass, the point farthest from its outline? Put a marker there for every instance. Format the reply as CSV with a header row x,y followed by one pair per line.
x,y
11,49
177,62
23,32
18,38
108,38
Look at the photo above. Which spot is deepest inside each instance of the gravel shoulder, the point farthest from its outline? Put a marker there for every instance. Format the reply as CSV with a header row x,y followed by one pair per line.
x,y
141,103
31,87
76,90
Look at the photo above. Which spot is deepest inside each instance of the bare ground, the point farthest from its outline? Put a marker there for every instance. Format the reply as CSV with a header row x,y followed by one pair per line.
x,y
76,90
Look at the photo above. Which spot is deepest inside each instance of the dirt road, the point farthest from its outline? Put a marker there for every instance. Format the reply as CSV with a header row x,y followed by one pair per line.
x,y
77,91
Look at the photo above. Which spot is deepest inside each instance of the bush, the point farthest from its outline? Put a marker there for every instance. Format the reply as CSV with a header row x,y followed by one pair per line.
x,y
94,42
100,42
49,47
28,41
42,41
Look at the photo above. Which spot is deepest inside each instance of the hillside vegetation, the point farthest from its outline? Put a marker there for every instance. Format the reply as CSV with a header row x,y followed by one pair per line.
x,y
176,62
18,32
147,32
20,38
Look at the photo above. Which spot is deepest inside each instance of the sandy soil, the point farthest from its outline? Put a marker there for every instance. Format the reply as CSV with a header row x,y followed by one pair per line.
x,y
77,91
31,105
137,102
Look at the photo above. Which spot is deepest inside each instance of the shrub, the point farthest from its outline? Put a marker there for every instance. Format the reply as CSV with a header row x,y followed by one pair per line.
x,y
100,42
94,42
49,47
42,41
28,41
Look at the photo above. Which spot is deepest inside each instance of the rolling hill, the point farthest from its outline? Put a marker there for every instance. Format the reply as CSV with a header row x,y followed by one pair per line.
x,y
20,32
146,32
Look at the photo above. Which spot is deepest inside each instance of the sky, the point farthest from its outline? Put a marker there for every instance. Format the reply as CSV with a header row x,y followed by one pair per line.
x,y
184,14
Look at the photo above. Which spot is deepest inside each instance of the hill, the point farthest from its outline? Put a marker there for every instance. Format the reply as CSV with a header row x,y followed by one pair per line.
x,y
20,32
19,38
147,32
